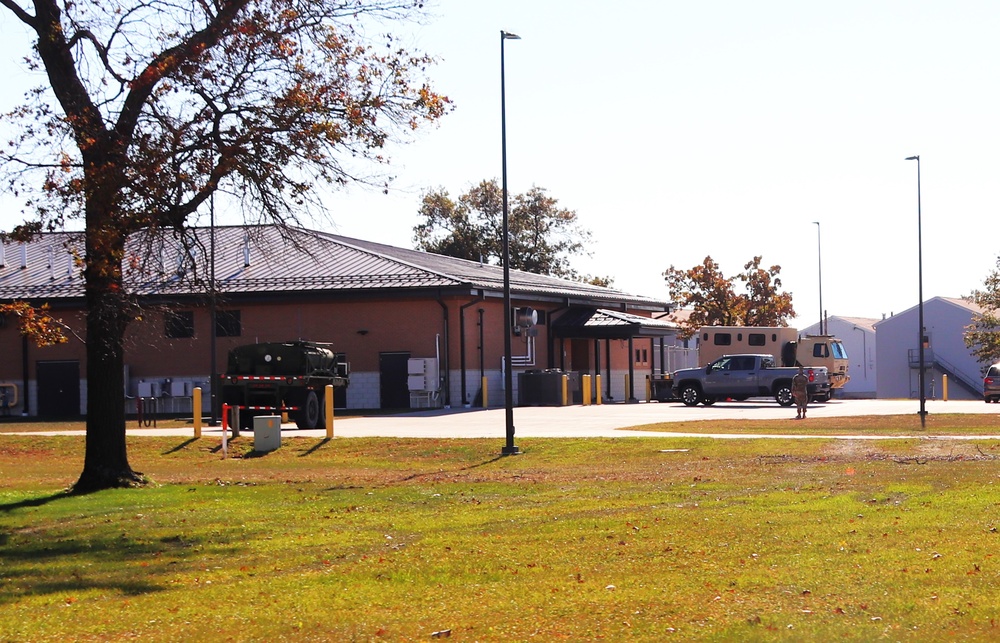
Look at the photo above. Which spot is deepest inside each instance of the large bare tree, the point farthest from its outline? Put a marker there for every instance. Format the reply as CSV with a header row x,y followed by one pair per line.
x,y
149,107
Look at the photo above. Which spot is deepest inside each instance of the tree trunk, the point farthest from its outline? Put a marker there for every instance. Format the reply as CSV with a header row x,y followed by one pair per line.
x,y
108,314
105,462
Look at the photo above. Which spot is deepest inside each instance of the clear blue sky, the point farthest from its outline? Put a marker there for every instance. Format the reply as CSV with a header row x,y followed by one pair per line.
x,y
681,129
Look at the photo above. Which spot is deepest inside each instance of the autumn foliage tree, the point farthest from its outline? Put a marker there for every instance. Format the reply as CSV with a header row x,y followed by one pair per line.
x,y
149,108
543,236
713,299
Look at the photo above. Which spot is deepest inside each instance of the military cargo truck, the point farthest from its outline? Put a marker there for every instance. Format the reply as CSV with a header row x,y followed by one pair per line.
x,y
784,343
285,377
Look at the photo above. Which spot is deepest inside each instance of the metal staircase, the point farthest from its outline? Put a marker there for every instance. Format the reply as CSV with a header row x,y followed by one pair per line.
x,y
973,385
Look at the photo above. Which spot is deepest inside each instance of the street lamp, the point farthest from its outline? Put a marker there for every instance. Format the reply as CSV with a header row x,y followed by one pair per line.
x,y
508,376
920,304
819,254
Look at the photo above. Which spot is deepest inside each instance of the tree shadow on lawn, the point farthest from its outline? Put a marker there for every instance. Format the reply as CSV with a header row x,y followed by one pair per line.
x,y
35,502
37,562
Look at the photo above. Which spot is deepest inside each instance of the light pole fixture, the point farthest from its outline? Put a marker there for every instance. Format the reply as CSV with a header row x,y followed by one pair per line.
x,y
508,376
920,304
819,255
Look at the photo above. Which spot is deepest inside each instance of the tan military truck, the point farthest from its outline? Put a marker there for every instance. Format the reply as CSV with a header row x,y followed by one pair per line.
x,y
783,343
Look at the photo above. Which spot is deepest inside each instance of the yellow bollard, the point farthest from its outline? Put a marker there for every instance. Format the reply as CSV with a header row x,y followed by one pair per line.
x,y
585,389
597,386
486,392
649,389
627,395
944,387
196,410
565,389
328,398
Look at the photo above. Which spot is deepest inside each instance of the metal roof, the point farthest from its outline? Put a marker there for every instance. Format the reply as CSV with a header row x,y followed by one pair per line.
x,y
601,323
255,260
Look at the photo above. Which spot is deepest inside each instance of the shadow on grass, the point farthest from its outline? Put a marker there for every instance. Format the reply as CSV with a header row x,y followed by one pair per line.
x,y
415,476
314,449
64,562
181,446
35,502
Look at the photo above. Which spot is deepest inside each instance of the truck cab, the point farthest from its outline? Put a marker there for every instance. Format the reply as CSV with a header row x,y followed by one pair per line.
x,y
819,350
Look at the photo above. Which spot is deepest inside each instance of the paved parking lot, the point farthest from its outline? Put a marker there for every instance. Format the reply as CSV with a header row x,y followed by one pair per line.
x,y
609,420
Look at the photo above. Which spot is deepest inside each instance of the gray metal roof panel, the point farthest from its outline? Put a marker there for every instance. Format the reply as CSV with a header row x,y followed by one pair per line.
x,y
266,259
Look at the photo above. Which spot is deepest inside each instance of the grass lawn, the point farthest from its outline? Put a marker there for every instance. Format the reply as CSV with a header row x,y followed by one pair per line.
x,y
645,539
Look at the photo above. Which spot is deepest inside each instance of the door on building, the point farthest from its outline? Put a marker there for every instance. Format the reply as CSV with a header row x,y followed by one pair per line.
x,y
58,389
393,390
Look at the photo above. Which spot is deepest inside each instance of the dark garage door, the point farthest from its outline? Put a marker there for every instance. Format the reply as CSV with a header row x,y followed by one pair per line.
x,y
58,389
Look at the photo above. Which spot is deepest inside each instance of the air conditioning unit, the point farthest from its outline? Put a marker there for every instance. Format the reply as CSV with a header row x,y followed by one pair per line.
x,y
422,374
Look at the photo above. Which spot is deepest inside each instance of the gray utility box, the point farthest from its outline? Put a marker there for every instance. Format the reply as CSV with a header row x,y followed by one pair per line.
x,y
266,432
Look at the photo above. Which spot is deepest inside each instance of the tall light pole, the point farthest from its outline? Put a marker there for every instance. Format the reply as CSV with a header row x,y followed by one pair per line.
x,y
508,376
819,254
920,304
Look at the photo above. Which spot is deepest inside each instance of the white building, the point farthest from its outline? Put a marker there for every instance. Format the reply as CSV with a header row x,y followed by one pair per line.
x,y
945,352
858,337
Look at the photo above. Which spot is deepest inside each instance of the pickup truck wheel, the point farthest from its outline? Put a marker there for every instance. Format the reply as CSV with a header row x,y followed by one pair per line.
x,y
309,415
783,395
690,395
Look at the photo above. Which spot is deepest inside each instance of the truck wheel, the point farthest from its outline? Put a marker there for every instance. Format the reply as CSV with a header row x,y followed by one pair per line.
x,y
783,395
309,414
690,395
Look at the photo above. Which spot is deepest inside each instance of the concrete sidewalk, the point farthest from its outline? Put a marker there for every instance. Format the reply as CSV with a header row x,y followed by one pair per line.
x,y
608,420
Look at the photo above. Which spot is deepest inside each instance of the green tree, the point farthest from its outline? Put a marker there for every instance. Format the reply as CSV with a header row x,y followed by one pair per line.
x,y
714,301
983,334
543,236
150,108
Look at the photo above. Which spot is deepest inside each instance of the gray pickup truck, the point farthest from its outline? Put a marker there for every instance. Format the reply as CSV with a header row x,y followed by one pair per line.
x,y
739,377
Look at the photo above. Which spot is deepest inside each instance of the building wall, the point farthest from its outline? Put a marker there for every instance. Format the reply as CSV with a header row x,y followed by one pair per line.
x,y
945,324
361,328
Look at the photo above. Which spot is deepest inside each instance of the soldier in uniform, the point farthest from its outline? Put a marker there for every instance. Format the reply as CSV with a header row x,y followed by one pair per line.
x,y
800,393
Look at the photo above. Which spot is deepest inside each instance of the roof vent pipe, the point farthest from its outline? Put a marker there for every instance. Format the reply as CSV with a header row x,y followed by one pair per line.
x,y
3,256
246,252
24,256
50,255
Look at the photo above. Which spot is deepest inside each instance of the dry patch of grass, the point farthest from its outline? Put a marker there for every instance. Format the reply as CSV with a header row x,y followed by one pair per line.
x,y
937,424
644,539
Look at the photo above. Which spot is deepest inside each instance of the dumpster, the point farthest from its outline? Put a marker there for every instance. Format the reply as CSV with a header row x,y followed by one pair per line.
x,y
661,386
544,388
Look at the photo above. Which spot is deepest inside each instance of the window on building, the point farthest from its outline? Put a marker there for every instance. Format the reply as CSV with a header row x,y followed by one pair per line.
x,y
228,323
179,324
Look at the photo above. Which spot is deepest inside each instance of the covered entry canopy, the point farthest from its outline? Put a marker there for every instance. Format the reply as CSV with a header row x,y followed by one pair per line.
x,y
601,323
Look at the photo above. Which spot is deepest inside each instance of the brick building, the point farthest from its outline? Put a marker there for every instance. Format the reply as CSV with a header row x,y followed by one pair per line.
x,y
379,304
